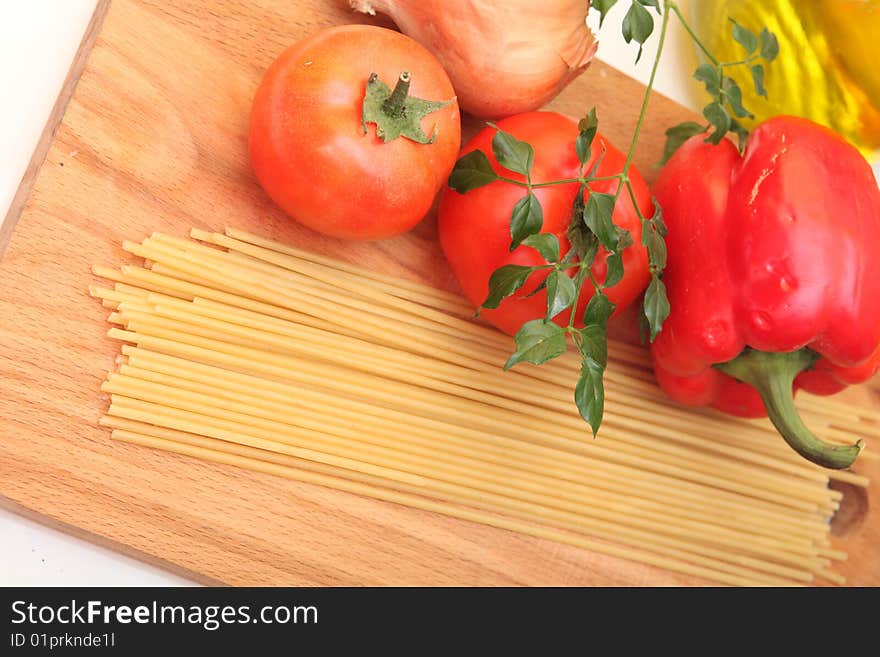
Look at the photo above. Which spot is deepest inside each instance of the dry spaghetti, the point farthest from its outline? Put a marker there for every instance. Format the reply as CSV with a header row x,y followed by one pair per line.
x,y
244,351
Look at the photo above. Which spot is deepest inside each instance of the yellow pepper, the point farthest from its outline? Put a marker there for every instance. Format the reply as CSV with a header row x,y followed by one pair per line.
x,y
827,66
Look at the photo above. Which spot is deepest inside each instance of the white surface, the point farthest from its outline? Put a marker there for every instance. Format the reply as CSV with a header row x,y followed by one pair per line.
x,y
38,39
676,63
34,555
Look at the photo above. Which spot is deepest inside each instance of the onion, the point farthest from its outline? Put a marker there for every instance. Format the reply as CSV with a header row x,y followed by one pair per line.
x,y
503,57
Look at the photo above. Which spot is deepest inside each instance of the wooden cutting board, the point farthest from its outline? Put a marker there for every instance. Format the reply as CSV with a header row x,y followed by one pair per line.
x,y
154,138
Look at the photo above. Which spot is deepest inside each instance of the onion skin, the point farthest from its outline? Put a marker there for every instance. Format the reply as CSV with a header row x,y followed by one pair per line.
x,y
503,57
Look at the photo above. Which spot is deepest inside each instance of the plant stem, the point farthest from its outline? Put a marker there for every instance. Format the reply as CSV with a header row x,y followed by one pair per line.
x,y
632,146
747,60
772,375
549,183
394,105
557,182
632,196
623,176
596,286
672,6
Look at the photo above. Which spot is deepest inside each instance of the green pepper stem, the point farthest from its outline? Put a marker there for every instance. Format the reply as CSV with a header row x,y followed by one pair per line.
x,y
772,375
394,105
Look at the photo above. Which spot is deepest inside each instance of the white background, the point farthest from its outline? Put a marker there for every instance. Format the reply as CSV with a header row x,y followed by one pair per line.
x,y
38,39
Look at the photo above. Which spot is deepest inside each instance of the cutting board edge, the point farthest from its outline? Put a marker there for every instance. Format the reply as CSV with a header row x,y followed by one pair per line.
x,y
29,200
77,66
104,542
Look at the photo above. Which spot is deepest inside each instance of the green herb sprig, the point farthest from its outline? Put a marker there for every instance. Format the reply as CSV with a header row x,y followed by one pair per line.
x,y
592,225
726,107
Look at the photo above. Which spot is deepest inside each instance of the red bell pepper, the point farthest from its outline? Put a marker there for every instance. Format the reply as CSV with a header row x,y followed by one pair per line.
x,y
773,275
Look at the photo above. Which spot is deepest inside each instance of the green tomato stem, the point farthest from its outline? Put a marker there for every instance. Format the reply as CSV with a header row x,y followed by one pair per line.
x,y
772,375
396,101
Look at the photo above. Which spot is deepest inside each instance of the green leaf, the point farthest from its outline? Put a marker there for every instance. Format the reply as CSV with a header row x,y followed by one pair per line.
x,y
644,327
568,259
656,306
560,293
744,37
578,235
597,163
504,281
708,75
598,218
677,135
603,7
589,393
720,120
587,132
511,153
599,310
591,120
591,248
637,26
657,218
537,342
541,286
624,238
593,343
584,244
742,135
395,113
582,146
547,244
734,98
526,219
656,246
613,269
651,3
577,208
472,171
758,79
769,45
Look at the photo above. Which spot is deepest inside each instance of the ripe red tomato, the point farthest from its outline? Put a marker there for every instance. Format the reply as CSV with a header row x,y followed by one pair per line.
x,y
316,159
475,226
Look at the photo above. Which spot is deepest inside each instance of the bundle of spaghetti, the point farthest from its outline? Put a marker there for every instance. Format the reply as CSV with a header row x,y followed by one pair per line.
x,y
244,351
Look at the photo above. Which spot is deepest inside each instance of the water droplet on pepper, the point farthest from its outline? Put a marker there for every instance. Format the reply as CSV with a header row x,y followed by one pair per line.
x,y
761,320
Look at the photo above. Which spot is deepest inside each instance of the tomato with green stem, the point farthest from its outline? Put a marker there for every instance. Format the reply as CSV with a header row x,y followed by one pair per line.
x,y
548,232
354,130
475,227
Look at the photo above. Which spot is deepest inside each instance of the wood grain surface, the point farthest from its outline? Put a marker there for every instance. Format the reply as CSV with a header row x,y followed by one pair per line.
x,y
154,138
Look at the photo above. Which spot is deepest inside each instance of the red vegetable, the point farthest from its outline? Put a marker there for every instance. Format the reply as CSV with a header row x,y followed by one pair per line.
x,y
318,150
773,275
475,227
